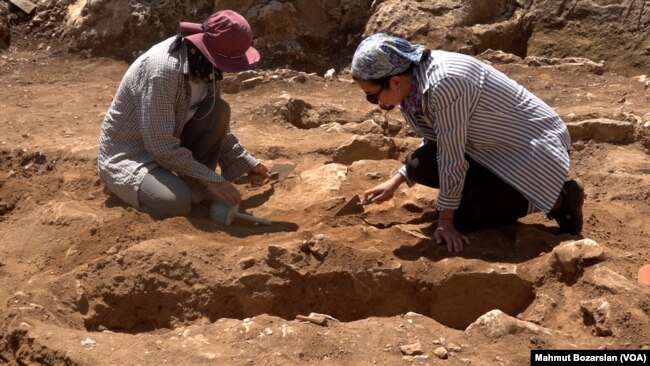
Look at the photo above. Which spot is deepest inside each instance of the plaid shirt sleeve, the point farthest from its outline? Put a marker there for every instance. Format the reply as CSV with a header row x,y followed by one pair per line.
x,y
233,158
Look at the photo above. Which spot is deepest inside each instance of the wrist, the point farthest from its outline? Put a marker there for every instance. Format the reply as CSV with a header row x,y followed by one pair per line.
x,y
398,179
446,215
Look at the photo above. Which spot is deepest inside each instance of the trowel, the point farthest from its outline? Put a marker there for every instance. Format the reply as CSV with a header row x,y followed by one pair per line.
x,y
277,171
353,206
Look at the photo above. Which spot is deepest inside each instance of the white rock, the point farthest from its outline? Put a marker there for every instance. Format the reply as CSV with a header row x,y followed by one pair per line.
x,y
330,75
599,311
412,349
569,255
88,342
497,324
604,278
441,352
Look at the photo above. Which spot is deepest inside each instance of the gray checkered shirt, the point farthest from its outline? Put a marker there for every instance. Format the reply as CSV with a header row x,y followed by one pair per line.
x,y
143,125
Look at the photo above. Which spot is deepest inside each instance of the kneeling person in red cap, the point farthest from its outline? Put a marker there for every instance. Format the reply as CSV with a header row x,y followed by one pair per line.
x,y
167,128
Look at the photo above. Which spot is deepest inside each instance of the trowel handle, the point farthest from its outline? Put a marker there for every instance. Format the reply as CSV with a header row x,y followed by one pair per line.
x,y
252,218
368,200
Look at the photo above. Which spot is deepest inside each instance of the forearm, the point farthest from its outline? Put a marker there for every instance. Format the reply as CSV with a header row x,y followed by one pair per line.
x,y
398,179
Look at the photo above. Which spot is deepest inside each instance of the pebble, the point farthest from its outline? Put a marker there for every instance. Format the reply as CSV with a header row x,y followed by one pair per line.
x,y
441,352
412,349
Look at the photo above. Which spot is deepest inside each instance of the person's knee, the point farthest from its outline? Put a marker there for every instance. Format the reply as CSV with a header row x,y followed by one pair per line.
x,y
168,203
422,168
177,204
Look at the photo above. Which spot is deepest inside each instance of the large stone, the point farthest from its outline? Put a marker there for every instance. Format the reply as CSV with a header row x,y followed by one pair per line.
x,y
569,256
497,324
606,279
597,313
369,147
364,128
602,130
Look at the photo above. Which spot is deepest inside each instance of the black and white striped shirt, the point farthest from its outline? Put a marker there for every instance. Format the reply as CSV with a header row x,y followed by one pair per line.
x,y
469,107
143,125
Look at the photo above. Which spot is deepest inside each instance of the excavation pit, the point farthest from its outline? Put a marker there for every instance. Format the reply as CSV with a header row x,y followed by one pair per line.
x,y
151,301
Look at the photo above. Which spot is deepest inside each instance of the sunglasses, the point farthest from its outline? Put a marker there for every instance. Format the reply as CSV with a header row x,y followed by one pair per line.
x,y
374,98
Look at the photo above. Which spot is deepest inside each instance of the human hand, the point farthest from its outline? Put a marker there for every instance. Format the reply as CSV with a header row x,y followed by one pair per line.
x,y
447,232
383,191
259,175
224,192
260,169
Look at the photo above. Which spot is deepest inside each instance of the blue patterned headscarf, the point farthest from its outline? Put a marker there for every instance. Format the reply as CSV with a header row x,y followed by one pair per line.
x,y
381,55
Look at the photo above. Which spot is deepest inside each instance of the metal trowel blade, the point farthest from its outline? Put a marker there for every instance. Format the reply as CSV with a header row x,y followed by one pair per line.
x,y
352,206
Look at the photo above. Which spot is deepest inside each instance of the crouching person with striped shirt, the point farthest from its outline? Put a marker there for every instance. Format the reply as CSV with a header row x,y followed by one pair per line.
x,y
167,128
495,151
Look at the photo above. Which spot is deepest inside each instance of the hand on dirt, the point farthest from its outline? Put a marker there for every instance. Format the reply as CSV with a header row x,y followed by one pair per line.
x,y
383,191
224,192
447,232
260,169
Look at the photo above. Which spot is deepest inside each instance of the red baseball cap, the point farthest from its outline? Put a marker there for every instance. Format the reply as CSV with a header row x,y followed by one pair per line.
x,y
225,39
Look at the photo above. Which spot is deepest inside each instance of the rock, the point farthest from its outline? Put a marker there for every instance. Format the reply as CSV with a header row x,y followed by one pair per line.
x,y
251,83
606,279
68,213
88,342
313,318
412,349
393,126
441,352
370,147
330,75
540,309
366,127
247,262
497,324
333,127
570,256
597,313
317,246
499,57
602,130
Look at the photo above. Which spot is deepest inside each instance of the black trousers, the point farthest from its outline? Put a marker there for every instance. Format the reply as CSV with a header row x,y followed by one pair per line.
x,y
487,200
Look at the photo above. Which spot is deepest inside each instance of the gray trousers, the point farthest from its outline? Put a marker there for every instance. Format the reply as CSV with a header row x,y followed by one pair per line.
x,y
164,194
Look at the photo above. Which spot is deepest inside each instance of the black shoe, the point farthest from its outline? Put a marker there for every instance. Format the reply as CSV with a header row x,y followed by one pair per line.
x,y
569,214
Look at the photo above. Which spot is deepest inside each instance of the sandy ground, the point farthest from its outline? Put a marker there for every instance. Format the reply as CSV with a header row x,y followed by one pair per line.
x,y
87,281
